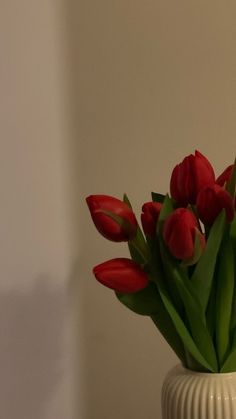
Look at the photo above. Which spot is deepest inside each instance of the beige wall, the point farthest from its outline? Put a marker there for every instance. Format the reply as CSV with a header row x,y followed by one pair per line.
x,y
96,97
35,257
151,81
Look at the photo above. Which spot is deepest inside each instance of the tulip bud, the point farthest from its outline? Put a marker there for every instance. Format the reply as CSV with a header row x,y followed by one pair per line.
x,y
149,217
225,176
112,217
211,201
180,232
189,177
122,275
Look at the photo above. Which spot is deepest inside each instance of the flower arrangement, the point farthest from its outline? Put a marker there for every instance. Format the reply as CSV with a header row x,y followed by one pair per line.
x,y
182,270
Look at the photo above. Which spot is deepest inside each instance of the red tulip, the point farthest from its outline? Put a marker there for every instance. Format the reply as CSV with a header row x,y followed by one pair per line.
x,y
179,233
111,228
149,217
210,202
189,177
122,275
225,176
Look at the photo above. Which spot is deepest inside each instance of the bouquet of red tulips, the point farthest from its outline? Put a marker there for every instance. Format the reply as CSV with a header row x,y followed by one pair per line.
x,y
182,270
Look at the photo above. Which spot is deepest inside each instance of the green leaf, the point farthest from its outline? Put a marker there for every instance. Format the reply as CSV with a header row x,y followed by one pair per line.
x,y
195,315
144,302
136,255
230,363
183,331
233,241
191,362
181,328
211,311
127,201
163,322
169,281
232,181
204,271
158,276
148,302
233,233
158,197
166,210
138,248
198,327
179,324
224,296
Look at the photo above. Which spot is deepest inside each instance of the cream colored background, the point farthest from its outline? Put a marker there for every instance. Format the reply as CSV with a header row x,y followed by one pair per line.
x,y
96,97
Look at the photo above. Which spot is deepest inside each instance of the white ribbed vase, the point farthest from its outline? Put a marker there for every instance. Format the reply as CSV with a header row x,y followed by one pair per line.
x,y
188,394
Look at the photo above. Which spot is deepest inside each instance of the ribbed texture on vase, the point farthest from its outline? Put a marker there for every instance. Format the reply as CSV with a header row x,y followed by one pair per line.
x,y
192,395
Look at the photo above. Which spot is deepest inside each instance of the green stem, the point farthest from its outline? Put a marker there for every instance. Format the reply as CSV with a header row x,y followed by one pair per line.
x,y
139,247
141,251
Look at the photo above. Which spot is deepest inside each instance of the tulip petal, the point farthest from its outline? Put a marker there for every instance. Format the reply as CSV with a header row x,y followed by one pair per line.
x,y
199,245
183,249
179,232
210,202
189,177
122,275
101,207
121,222
149,217
223,179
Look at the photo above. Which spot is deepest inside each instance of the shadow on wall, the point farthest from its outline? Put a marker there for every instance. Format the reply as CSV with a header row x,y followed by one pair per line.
x,y
107,377
30,350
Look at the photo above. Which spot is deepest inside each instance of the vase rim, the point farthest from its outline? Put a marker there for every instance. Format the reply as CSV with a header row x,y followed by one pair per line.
x,y
203,374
